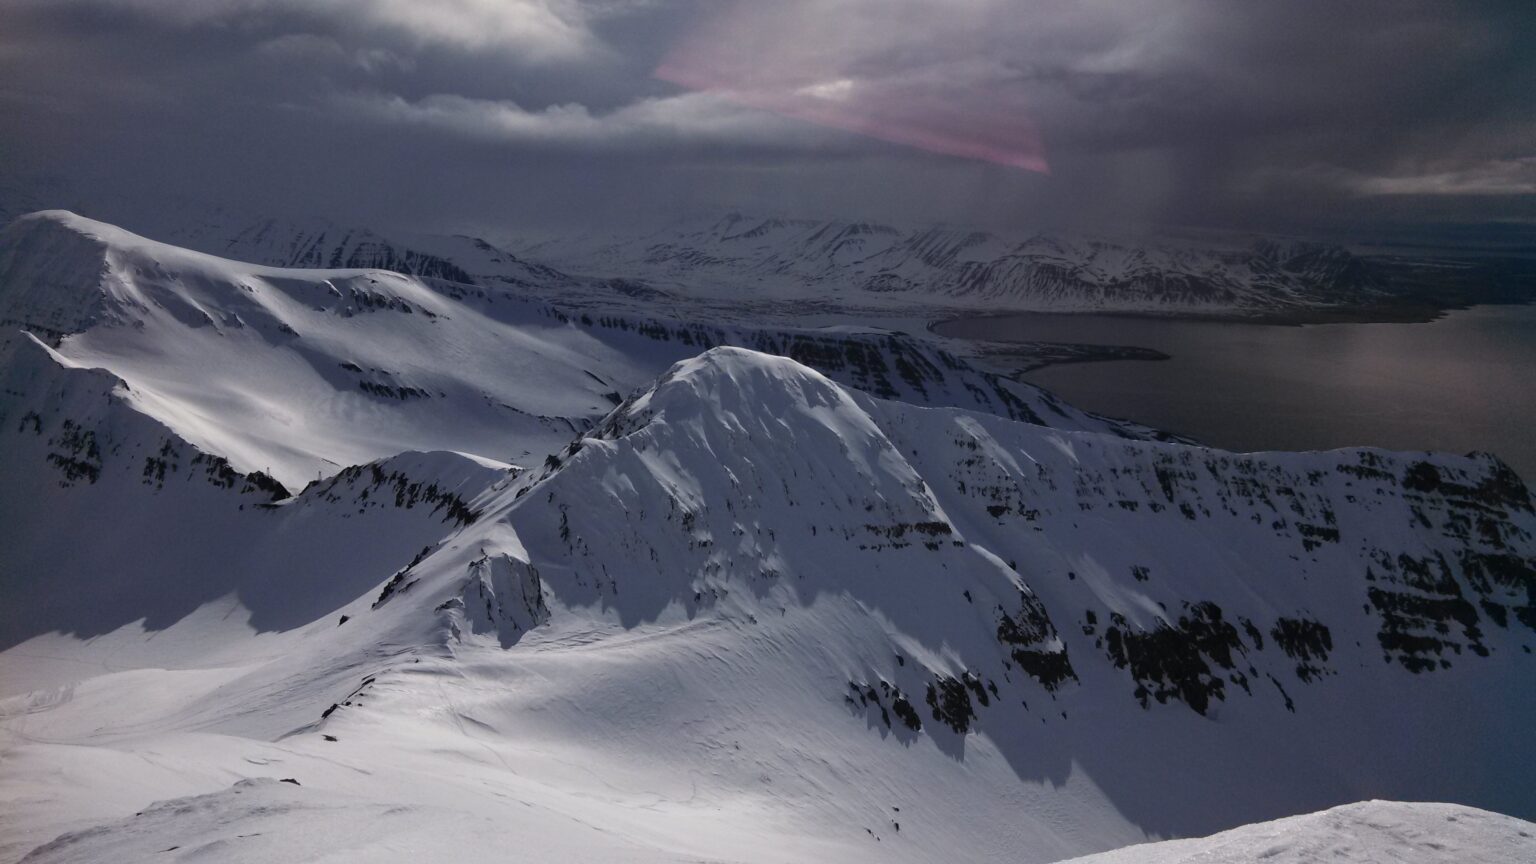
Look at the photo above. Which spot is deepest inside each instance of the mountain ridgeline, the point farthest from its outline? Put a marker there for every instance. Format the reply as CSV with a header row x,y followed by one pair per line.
x,y
367,363
469,569
746,268
770,262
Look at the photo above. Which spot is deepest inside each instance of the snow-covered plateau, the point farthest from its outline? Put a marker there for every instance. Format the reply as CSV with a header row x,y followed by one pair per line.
x,y
353,565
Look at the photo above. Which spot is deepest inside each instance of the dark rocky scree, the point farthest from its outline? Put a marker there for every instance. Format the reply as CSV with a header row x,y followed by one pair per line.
x,y
401,582
386,386
218,471
1033,643
1193,659
888,700
1425,602
929,532
382,256
502,596
351,699
1428,605
81,453
389,391
955,702
1175,660
77,457
363,300
949,699
371,486
1304,641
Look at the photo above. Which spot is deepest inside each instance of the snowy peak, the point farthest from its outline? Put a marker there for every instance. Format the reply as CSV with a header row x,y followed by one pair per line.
x,y
51,264
731,400
1009,534
301,372
746,391
137,276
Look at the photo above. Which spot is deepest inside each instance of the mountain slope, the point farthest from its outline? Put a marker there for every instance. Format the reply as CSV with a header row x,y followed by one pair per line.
x,y
1372,832
754,616
298,373
144,527
995,576
887,608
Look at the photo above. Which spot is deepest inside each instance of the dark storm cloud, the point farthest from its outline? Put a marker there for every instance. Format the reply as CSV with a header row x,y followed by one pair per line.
x,y
520,112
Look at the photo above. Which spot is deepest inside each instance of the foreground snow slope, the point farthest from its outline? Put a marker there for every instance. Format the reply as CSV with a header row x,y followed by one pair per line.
x,y
756,616
1371,832
299,373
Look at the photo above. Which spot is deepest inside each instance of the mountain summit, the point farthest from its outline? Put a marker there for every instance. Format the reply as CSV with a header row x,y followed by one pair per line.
x,y
746,612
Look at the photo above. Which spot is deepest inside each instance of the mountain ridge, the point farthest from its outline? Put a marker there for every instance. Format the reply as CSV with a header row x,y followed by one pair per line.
x,y
747,612
773,263
301,372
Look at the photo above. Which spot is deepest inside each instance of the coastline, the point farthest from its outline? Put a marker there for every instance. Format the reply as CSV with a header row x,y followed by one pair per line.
x,y
1019,357
1405,314
1287,388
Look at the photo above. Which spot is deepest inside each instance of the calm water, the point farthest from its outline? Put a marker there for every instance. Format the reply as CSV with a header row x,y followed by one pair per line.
x,y
1465,382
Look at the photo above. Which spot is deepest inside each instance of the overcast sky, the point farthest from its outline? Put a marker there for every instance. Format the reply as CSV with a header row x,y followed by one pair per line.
x,y
546,114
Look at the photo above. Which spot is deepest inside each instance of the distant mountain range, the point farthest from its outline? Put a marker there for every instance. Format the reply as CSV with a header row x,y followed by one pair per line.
x,y
745,268
865,265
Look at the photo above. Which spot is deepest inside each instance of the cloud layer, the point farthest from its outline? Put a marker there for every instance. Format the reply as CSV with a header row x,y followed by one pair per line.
x,y
560,112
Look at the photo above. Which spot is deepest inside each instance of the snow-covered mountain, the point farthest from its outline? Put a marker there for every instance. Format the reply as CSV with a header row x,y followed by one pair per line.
x,y
1371,832
751,612
299,373
868,265
323,244
736,268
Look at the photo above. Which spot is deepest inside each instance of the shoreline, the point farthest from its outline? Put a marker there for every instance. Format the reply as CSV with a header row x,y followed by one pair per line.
x,y
1269,376
1414,314
1019,360
1022,356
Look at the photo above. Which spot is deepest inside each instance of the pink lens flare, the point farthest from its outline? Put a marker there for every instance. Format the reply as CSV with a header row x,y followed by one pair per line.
x,y
733,55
